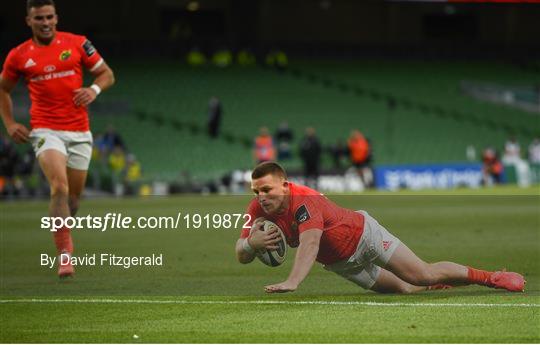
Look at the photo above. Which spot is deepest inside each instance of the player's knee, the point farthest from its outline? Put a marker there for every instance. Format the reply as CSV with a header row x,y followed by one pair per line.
x,y
59,187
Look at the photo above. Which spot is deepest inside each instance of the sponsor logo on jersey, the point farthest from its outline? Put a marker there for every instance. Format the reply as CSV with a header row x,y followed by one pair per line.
x,y
40,143
50,68
55,75
301,214
66,54
386,244
29,63
89,48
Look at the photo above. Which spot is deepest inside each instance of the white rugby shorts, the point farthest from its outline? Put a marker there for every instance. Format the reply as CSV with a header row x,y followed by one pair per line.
x,y
374,250
77,146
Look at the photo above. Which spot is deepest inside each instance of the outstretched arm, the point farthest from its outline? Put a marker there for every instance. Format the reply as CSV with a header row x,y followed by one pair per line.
x,y
305,257
18,132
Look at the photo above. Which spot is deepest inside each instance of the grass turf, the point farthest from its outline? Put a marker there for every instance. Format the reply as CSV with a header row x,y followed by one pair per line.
x,y
490,230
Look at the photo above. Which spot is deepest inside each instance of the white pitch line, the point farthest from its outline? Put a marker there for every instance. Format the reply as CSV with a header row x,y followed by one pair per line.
x,y
268,302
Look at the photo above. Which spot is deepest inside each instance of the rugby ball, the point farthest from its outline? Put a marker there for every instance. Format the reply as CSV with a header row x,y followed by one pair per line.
x,y
273,257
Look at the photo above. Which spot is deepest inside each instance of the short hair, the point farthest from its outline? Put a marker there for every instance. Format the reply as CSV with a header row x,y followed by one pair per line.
x,y
38,3
267,168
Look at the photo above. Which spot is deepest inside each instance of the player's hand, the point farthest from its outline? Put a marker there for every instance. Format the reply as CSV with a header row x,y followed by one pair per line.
x,y
84,96
260,239
286,286
19,133
257,225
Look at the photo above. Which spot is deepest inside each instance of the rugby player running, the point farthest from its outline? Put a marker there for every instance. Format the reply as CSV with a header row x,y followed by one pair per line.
x,y
51,64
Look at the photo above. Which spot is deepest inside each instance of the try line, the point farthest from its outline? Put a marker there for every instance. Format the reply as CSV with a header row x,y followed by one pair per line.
x,y
269,302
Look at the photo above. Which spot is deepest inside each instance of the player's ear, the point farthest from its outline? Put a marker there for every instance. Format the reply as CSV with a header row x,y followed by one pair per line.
x,y
285,183
28,20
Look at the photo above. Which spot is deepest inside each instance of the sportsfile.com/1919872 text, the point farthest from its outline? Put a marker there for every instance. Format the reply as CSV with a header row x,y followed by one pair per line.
x,y
117,221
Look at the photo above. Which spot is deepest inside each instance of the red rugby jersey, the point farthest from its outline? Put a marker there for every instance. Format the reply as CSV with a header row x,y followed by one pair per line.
x,y
309,209
52,73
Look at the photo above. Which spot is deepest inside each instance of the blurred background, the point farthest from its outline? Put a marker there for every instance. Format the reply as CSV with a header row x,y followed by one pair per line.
x,y
347,95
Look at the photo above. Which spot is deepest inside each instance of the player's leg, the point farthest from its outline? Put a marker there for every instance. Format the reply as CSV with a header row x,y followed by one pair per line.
x,y
387,251
409,267
372,277
387,282
76,183
53,164
79,151
53,158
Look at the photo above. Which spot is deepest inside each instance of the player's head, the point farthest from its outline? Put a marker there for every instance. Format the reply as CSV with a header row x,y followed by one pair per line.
x,y
269,183
42,19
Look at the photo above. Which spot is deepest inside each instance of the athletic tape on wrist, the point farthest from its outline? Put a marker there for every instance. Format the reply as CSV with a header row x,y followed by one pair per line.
x,y
247,247
96,88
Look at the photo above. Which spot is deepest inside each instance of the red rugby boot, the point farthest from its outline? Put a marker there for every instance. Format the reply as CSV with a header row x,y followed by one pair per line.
x,y
65,268
510,281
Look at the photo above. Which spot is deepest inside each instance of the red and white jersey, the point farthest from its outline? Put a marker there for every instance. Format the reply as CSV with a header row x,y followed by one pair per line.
x,y
309,209
52,73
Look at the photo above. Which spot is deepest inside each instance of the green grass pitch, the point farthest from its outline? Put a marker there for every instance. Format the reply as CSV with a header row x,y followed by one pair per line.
x,y
201,294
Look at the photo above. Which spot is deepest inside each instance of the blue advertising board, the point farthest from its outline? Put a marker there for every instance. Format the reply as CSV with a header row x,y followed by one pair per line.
x,y
436,176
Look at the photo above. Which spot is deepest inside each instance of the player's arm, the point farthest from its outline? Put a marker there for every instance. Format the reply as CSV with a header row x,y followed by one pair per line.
x,y
257,239
305,257
103,79
18,132
244,254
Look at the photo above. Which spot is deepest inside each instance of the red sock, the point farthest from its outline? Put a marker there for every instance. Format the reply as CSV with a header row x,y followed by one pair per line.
x,y
62,239
479,277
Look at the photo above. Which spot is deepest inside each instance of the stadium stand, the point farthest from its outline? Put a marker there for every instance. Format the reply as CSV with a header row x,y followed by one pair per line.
x,y
413,112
